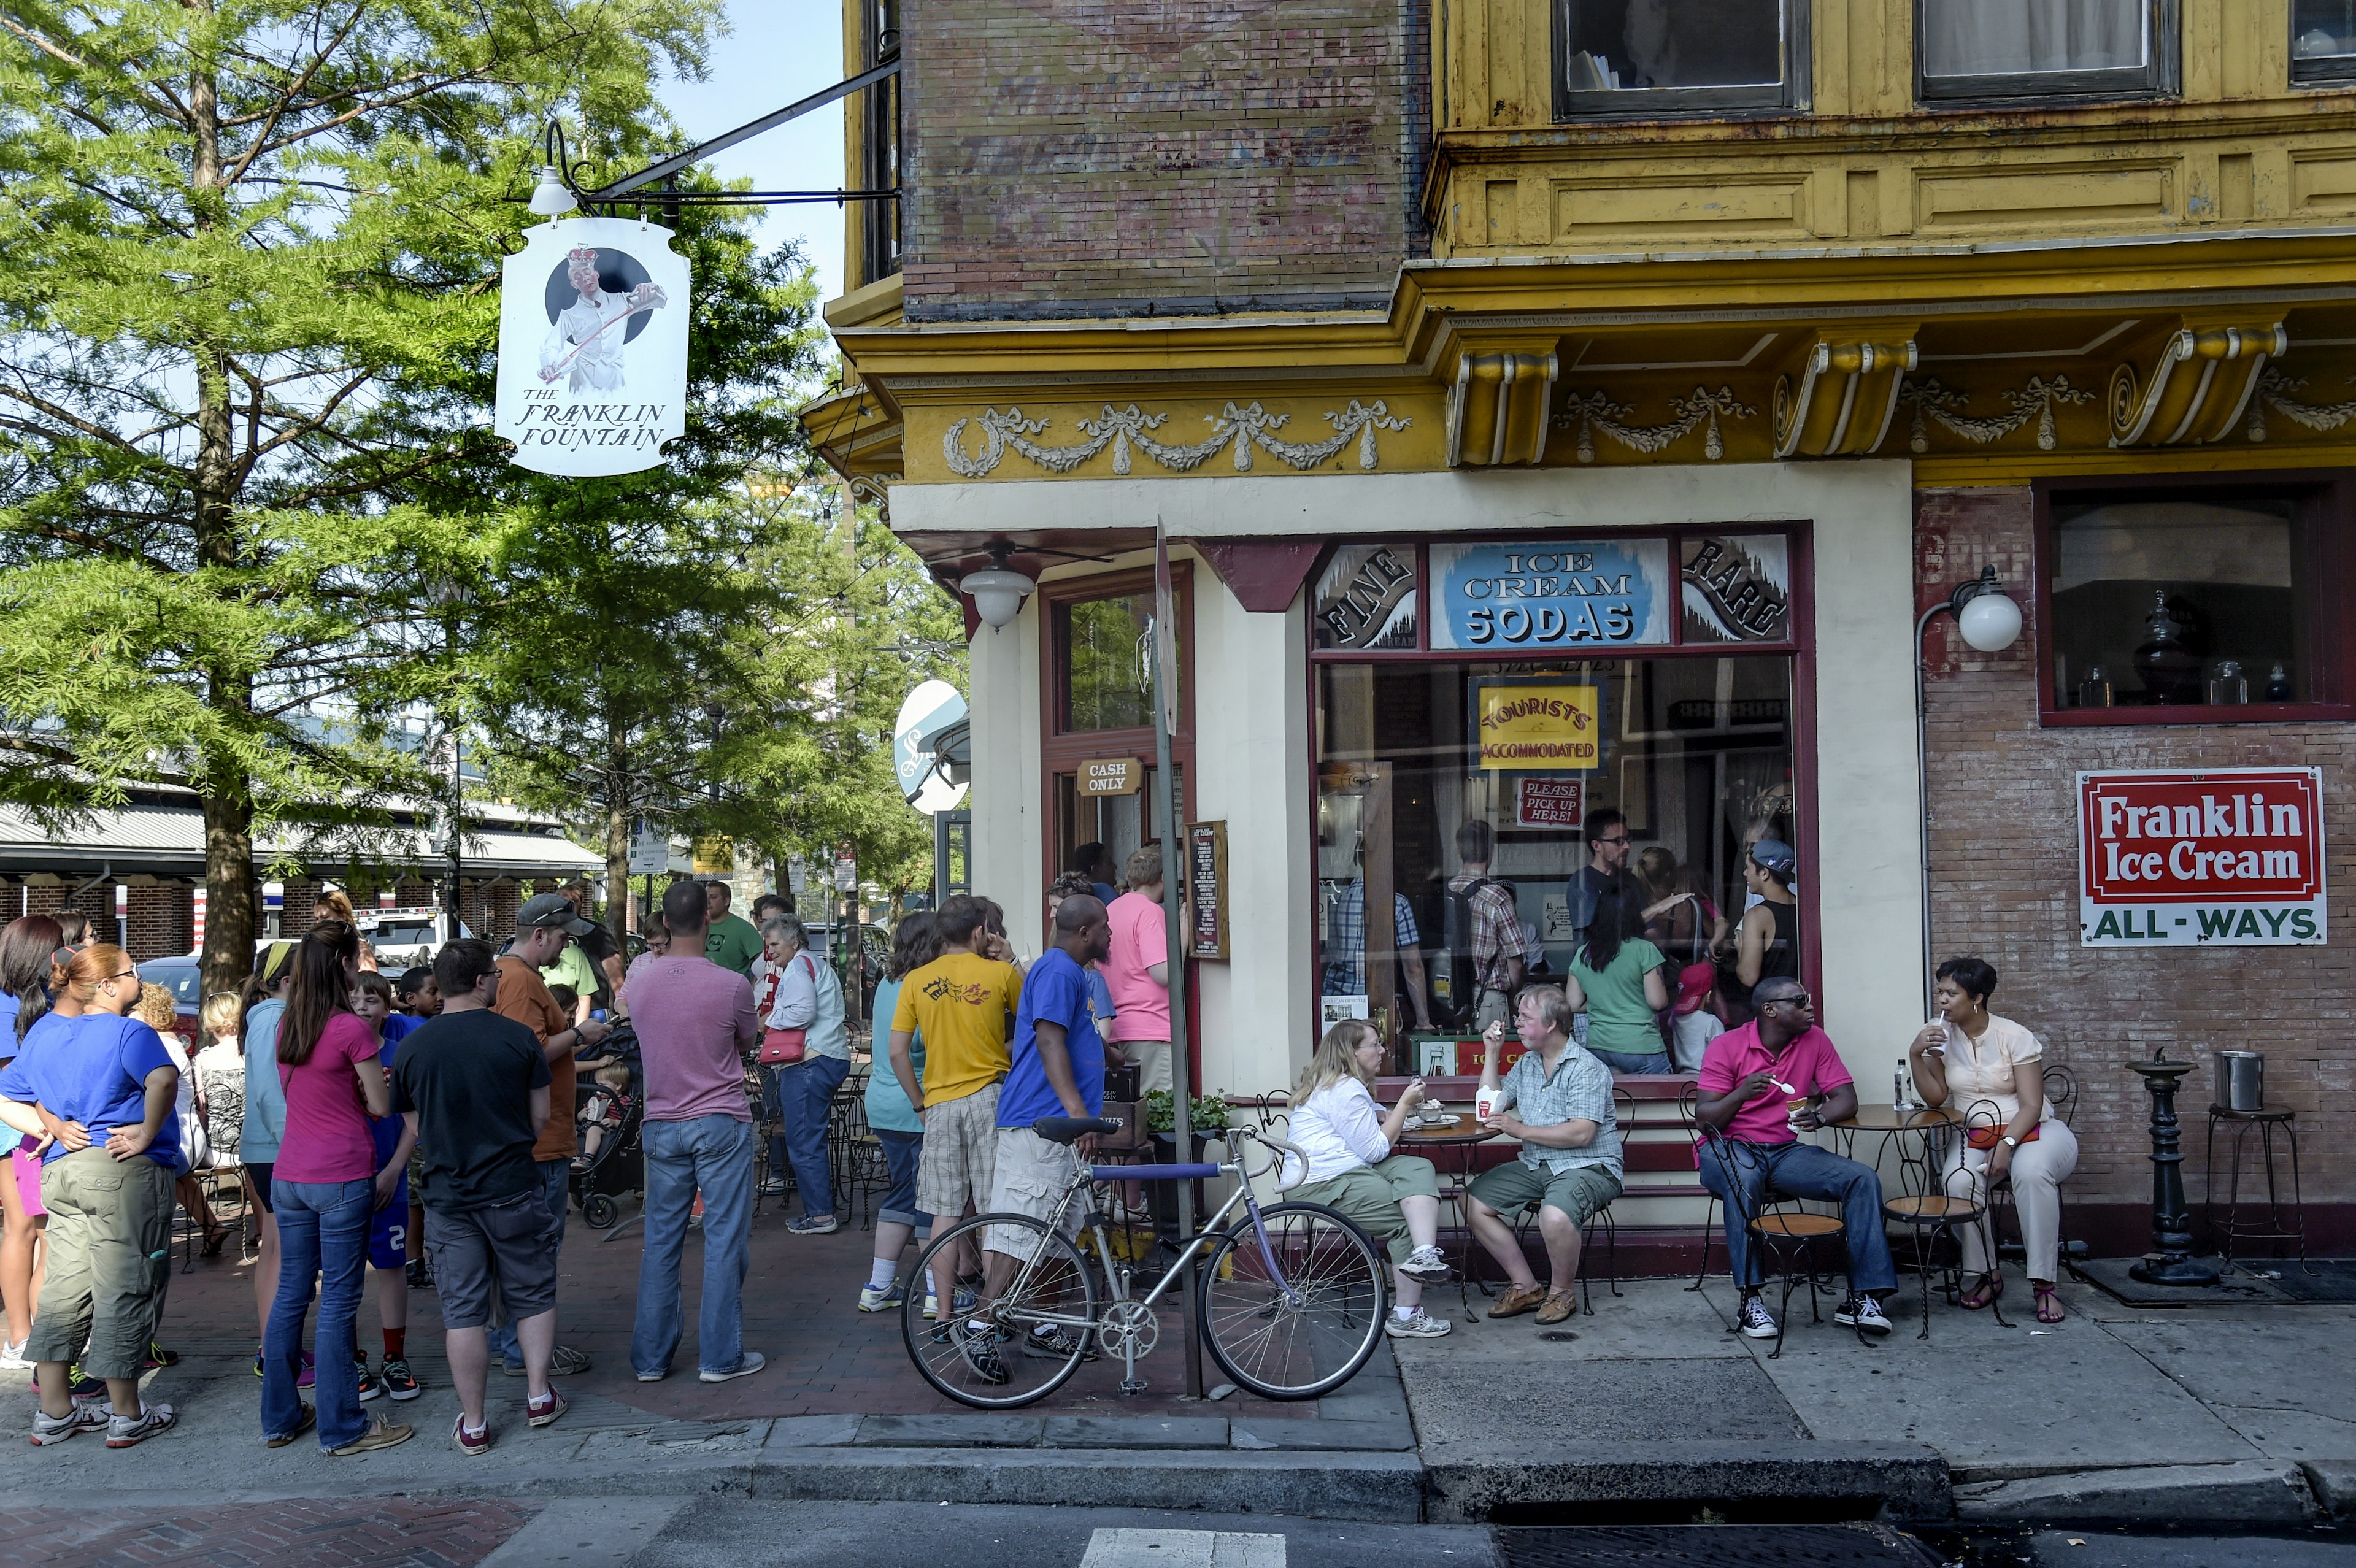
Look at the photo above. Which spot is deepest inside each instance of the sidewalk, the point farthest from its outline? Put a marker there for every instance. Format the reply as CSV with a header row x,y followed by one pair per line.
x,y
2226,1413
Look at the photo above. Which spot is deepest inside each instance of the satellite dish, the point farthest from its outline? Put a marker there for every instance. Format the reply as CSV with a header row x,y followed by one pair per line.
x,y
931,706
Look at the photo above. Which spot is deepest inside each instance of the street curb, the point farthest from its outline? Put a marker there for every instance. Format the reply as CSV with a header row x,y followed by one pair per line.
x,y
1475,1484
2240,1492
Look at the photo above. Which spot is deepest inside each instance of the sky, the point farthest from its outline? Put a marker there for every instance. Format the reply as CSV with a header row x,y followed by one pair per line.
x,y
778,51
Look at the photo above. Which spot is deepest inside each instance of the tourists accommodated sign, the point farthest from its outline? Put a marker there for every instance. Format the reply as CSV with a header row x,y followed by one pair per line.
x,y
1537,728
592,346
2230,857
1540,594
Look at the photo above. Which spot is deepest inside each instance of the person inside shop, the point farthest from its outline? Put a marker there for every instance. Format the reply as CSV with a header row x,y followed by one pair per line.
x,y
1624,979
1990,1070
1484,929
1761,1087
1606,832
1095,863
1767,939
1558,1101
1346,948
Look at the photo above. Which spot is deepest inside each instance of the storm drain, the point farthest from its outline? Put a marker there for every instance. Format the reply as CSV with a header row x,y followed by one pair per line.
x,y
1711,1546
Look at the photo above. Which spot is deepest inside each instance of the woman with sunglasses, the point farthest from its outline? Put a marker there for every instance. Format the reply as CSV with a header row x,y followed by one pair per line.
x,y
100,1091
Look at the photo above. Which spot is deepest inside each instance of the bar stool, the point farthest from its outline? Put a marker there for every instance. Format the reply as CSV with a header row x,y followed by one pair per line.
x,y
2274,1229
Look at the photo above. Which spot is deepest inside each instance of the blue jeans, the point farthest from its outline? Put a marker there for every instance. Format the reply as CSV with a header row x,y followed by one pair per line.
x,y
323,1229
713,1155
902,1152
807,1088
1632,1060
1801,1170
556,1174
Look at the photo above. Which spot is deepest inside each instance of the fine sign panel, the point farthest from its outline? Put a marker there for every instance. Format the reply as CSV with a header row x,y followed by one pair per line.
x,y
2230,857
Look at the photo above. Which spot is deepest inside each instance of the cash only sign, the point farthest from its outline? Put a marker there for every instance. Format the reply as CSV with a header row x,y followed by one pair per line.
x,y
592,346
2230,857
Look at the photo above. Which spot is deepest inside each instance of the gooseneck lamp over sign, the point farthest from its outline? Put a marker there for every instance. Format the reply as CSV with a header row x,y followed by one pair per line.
x,y
1989,621
997,590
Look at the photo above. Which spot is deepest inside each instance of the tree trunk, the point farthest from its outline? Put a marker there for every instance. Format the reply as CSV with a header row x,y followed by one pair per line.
x,y
229,890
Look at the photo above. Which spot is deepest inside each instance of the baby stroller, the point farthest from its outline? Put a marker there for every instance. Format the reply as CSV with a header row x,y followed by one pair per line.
x,y
619,1165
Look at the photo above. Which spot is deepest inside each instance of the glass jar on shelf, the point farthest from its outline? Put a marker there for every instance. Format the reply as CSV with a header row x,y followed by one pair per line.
x,y
2228,686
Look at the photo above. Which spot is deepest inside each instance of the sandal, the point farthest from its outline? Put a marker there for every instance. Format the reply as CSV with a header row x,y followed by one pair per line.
x,y
1988,1288
2049,1305
215,1234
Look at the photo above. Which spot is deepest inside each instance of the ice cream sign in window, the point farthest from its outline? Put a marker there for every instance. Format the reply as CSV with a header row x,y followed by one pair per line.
x,y
1526,596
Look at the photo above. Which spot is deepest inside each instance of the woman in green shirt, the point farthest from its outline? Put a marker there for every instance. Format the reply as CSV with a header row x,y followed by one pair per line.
x,y
1622,974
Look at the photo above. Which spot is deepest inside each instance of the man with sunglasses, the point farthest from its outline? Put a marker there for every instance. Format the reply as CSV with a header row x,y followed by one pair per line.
x,y
1761,1087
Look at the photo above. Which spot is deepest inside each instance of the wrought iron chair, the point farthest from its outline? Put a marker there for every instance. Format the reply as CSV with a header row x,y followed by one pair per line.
x,y
1689,1117
2061,1099
1623,1110
1930,1206
1783,1233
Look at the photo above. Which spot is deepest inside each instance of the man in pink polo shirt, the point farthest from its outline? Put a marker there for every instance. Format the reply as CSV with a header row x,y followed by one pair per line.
x,y
1760,1086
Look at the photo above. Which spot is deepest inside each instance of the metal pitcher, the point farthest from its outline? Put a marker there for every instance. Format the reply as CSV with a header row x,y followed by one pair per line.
x,y
2240,1081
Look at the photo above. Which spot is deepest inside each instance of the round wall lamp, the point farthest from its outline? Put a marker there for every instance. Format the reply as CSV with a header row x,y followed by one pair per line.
x,y
997,590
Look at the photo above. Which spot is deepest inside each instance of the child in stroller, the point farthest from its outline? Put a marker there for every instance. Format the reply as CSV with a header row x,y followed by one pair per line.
x,y
611,1109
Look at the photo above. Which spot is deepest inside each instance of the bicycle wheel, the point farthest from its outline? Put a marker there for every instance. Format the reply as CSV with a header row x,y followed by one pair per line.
x,y
1305,1327
1008,1364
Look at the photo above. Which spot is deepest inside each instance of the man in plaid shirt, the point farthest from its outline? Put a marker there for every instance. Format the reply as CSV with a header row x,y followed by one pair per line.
x,y
1346,947
1495,937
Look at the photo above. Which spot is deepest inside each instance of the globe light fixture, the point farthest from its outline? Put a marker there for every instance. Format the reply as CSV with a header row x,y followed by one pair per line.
x,y
1988,619
997,590
550,198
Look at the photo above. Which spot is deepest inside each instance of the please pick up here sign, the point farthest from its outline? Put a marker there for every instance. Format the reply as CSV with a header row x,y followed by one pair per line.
x,y
2230,857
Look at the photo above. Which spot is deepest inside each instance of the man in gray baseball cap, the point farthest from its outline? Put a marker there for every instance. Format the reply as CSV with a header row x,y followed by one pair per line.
x,y
545,909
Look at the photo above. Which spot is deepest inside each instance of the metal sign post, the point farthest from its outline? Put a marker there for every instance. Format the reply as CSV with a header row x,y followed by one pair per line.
x,y
1173,889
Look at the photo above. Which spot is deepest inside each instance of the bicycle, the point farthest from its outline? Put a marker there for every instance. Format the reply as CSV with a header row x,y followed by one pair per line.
x,y
1290,1299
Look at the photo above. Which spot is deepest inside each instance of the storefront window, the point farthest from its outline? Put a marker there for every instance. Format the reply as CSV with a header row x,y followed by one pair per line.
x,y
1695,753
2167,602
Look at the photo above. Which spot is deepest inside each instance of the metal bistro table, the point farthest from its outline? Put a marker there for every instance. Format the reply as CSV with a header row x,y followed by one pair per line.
x,y
1461,1137
1928,1210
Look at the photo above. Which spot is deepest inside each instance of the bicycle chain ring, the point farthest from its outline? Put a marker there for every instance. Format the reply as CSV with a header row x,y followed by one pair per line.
x,y
1124,1323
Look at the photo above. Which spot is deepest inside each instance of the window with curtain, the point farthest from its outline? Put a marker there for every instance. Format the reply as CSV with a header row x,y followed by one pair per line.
x,y
2045,48
1654,57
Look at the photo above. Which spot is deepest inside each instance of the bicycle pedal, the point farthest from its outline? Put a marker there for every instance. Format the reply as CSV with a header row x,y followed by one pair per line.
x,y
1134,1385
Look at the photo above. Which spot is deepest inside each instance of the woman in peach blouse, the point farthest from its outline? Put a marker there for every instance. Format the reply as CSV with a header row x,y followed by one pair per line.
x,y
1990,1072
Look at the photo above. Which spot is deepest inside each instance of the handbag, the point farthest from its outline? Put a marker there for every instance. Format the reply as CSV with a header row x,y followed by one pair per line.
x,y
781,1046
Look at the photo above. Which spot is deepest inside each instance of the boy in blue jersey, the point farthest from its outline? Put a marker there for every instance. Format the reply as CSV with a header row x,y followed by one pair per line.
x,y
389,1227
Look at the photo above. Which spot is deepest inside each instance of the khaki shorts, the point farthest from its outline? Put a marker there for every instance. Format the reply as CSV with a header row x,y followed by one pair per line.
x,y
1152,1059
1033,1177
1581,1191
1369,1197
960,1158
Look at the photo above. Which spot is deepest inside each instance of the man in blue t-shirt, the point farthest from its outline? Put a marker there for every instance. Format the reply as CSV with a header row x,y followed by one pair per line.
x,y
1058,1070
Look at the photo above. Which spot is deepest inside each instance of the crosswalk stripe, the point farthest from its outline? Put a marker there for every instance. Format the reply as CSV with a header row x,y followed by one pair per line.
x,y
1182,1549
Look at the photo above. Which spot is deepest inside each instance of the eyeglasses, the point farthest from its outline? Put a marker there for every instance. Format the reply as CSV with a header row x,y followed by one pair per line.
x,y
125,974
1622,839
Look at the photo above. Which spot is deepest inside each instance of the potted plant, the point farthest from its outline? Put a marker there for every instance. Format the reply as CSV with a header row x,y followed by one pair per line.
x,y
1209,1120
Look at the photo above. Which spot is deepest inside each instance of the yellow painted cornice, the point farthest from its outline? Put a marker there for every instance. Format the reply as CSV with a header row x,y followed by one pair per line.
x,y
878,302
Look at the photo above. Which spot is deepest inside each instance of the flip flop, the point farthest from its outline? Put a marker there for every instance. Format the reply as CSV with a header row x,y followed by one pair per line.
x,y
2049,1305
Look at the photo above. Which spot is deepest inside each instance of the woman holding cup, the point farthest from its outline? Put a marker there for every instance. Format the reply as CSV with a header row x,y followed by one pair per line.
x,y
1970,1059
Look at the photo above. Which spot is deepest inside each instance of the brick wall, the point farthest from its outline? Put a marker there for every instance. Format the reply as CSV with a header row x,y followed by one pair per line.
x,y
2004,849
1084,157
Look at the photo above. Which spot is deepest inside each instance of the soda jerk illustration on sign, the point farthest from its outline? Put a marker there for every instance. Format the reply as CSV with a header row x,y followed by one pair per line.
x,y
2229,857
592,346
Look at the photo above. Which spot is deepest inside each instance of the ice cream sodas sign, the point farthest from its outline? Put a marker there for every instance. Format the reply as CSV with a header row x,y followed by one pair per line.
x,y
2231,857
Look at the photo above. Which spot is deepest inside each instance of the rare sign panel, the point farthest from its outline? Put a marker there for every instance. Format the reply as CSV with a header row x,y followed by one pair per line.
x,y
2229,857
592,346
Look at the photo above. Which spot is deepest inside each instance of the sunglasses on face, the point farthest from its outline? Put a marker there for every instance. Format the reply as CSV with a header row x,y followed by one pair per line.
x,y
1802,1000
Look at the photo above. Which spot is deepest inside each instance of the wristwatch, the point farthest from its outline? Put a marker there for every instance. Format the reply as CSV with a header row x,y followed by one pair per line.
x,y
2009,1141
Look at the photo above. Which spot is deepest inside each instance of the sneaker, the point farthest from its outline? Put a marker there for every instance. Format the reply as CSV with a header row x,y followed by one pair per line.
x,y
310,1377
477,1441
773,1187
980,1347
12,1356
381,1434
1862,1312
814,1225
85,1416
654,1377
398,1380
543,1411
310,1418
1425,1263
81,1385
1417,1325
130,1431
370,1388
960,1303
887,1298
1054,1345
1755,1321
159,1357
751,1362
421,1277
565,1362
257,1365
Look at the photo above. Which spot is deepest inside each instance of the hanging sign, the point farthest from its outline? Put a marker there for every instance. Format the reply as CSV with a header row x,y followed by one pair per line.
x,y
1526,729
1112,775
929,708
592,346
2226,857
1539,594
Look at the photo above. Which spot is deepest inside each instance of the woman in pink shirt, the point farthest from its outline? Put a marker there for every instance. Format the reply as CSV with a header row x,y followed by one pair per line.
x,y
323,1189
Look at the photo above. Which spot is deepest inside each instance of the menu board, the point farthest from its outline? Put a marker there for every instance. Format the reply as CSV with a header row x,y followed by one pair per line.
x,y
1206,889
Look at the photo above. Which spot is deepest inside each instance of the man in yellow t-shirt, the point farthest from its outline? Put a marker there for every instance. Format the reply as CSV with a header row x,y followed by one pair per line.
x,y
963,1004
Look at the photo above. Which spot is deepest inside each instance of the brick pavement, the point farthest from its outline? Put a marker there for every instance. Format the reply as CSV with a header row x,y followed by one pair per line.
x,y
826,1358
376,1532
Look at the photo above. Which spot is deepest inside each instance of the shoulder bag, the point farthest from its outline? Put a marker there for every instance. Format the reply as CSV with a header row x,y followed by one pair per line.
x,y
782,1047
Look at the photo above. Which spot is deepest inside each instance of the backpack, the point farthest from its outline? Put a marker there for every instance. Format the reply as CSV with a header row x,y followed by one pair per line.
x,y
1458,973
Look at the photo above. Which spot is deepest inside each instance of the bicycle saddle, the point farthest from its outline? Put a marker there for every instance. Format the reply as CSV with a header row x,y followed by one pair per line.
x,y
1066,1129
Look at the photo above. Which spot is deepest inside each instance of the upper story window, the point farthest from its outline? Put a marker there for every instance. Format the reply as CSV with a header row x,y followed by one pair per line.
x,y
2039,50
880,145
1650,58
2323,40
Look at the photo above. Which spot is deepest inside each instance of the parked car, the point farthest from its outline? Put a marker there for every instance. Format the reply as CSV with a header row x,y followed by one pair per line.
x,y
186,980
401,938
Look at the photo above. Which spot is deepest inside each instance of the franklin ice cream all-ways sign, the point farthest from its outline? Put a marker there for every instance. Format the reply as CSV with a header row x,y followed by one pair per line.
x,y
2228,857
